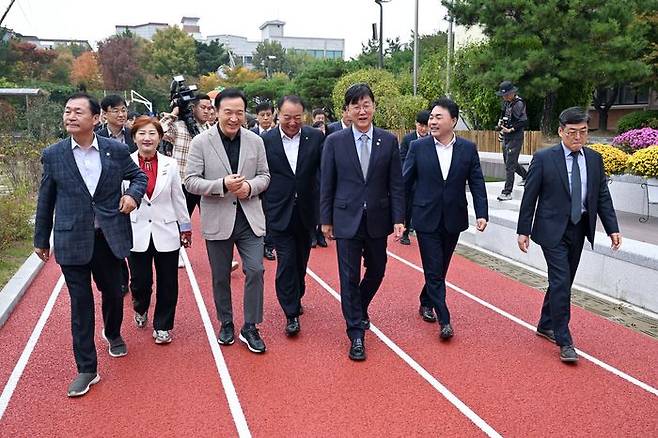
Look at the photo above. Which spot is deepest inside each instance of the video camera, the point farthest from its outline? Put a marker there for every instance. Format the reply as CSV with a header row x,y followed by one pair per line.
x,y
183,96
503,122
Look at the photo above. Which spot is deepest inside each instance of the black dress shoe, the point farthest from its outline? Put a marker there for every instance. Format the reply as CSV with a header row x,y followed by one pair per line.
x,y
365,324
292,326
427,313
568,354
404,240
546,333
446,332
226,334
250,336
321,240
358,350
269,254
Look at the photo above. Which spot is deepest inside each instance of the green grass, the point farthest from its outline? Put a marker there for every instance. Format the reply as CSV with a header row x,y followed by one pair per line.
x,y
493,179
12,258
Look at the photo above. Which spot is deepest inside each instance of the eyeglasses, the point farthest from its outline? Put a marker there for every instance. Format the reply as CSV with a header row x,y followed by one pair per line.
x,y
574,133
116,111
364,107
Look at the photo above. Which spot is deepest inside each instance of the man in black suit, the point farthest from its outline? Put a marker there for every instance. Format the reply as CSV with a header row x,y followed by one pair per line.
x,y
293,156
116,114
82,186
361,203
566,188
265,124
343,123
421,131
437,169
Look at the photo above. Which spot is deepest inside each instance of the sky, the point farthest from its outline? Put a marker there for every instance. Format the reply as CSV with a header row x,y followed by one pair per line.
x,y
348,19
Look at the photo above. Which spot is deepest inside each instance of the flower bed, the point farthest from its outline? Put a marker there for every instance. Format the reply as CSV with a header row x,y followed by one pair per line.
x,y
636,139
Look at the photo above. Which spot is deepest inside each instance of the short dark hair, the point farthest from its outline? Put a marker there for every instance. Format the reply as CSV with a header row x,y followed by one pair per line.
x,y
264,106
112,100
356,92
142,121
133,115
296,100
447,103
423,117
200,97
317,111
573,116
317,124
230,93
93,103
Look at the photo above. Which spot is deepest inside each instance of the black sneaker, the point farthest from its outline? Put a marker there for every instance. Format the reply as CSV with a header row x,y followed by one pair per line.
x,y
568,354
117,346
446,332
251,337
546,334
226,334
269,254
80,385
427,313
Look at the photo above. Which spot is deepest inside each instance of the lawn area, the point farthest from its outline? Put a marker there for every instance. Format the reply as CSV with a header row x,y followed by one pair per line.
x,y
12,257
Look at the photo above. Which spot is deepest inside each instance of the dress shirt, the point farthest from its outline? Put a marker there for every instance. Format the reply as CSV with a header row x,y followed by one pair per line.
x,y
344,125
357,139
444,154
150,168
119,137
291,147
582,164
262,131
89,163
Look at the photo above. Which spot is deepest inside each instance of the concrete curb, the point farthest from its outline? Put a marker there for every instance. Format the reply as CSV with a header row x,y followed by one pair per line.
x,y
14,290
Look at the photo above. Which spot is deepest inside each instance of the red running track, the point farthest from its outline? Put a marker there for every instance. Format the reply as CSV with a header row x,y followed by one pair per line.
x,y
498,372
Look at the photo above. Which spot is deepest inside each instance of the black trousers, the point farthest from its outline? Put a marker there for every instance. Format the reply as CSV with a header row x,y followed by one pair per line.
x,y
191,200
293,247
357,293
511,150
436,250
141,284
562,262
106,271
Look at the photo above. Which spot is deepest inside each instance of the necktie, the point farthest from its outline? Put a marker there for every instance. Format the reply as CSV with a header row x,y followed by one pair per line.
x,y
365,154
576,189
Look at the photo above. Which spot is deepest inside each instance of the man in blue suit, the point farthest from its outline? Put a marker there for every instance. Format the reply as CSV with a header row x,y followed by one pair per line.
x,y
341,124
361,203
437,169
566,188
81,185
293,157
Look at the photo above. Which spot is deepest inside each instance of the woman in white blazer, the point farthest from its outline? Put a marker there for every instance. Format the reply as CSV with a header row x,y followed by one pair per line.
x,y
160,225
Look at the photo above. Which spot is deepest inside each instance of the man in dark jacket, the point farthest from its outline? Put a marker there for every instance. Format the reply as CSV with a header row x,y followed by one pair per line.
x,y
512,123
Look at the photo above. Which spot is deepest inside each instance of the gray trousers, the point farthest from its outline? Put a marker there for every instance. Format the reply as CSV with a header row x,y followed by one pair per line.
x,y
220,255
511,151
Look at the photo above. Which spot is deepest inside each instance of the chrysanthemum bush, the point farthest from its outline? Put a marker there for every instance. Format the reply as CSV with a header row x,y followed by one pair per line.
x,y
636,139
614,159
645,162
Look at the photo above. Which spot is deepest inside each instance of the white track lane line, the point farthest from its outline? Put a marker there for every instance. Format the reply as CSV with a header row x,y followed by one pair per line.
x,y
16,374
445,392
225,376
529,326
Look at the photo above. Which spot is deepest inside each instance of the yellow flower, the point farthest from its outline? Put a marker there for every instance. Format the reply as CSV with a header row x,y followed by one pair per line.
x,y
614,159
645,162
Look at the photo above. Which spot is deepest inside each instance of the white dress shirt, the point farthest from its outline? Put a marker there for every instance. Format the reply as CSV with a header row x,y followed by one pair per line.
x,y
89,163
291,147
444,154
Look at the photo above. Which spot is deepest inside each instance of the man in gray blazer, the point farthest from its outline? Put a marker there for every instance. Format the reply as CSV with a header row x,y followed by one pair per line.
x,y
227,166
81,186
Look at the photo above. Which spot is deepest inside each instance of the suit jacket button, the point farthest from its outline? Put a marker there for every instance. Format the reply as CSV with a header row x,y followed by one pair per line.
x,y
150,220
93,204
235,202
148,203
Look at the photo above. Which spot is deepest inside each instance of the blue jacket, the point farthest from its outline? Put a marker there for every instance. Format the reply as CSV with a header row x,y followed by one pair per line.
x,y
344,191
64,193
434,197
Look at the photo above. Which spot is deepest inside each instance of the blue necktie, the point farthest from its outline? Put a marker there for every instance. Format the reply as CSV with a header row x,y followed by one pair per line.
x,y
576,189
365,154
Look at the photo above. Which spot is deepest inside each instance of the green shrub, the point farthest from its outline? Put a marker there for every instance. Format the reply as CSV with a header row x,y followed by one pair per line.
x,y
637,120
399,112
383,85
16,210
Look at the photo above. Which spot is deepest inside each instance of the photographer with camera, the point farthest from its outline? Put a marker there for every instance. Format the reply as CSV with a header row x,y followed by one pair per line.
x,y
512,123
189,117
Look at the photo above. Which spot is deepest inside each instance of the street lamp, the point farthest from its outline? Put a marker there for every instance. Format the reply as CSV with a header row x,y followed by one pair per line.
x,y
381,31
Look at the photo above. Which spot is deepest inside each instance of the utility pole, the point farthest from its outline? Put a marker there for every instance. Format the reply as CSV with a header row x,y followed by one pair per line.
x,y
416,49
381,31
451,51
7,11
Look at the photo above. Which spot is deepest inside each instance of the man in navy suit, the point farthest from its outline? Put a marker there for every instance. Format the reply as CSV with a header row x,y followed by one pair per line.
x,y
341,124
566,188
81,185
116,113
437,169
293,157
361,203
421,131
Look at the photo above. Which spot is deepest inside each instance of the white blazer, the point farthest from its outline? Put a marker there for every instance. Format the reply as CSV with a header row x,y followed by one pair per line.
x,y
158,217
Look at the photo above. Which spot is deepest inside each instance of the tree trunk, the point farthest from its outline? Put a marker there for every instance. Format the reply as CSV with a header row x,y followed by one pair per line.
x,y
547,112
603,102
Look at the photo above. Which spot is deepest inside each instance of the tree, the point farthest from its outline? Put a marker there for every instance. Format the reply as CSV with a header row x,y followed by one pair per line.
x,y
209,82
238,76
85,72
270,89
60,69
29,62
120,58
587,42
210,57
270,57
172,52
316,82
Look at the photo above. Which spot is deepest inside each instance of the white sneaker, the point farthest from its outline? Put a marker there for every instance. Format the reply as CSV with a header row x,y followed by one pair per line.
x,y
504,197
162,336
140,320
234,265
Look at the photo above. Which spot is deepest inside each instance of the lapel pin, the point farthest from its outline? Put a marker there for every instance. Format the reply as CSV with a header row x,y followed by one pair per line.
x,y
107,154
